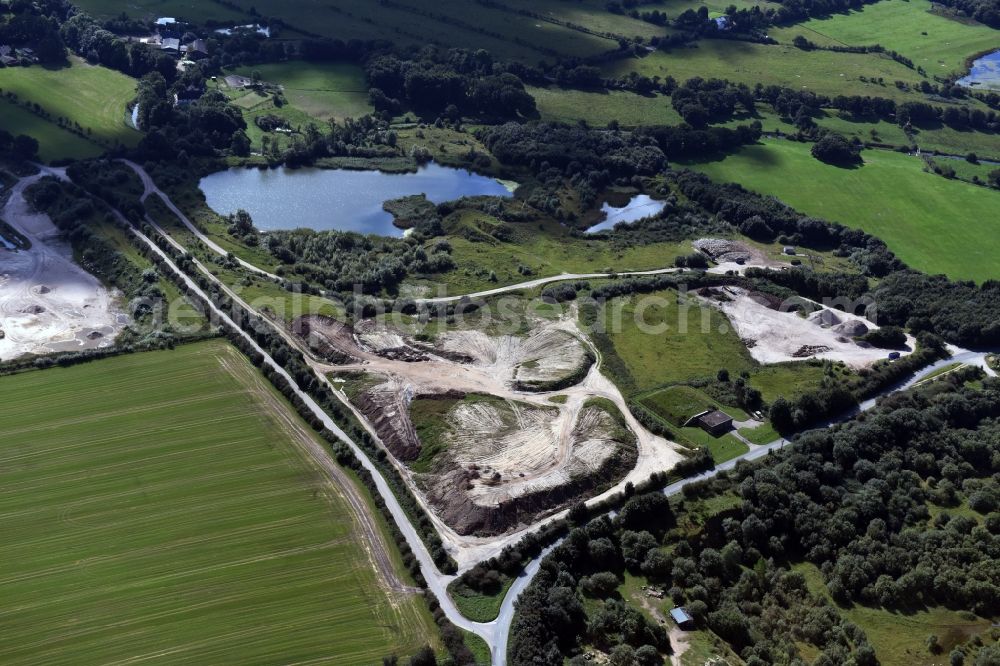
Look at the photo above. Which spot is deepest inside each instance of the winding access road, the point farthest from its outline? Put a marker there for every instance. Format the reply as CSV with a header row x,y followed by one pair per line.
x,y
150,189
496,633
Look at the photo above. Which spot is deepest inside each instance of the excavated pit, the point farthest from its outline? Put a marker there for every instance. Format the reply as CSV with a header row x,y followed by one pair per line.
x,y
507,468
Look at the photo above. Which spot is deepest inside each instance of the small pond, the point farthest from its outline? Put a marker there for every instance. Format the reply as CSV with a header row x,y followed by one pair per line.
x,y
640,206
341,199
985,72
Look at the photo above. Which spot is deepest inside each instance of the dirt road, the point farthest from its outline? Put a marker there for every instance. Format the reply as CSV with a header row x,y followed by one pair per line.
x,y
150,189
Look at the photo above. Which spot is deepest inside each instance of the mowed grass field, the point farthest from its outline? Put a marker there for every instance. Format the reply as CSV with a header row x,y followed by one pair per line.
x,y
155,509
823,72
659,341
939,44
54,142
95,97
934,224
320,90
600,108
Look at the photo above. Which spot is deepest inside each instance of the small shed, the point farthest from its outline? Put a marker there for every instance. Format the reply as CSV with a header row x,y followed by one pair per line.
x,y
716,422
682,618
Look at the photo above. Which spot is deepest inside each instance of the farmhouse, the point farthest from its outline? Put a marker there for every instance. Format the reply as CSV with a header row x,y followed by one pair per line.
x,y
682,618
715,422
196,50
171,44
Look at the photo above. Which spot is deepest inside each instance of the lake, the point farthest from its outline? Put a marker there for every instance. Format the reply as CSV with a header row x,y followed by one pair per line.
x,y
341,199
640,206
985,73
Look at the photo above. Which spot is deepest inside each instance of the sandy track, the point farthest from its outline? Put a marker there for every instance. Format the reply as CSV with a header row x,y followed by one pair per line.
x,y
151,189
48,303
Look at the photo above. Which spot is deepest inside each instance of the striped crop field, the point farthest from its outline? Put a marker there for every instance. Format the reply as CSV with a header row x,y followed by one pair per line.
x,y
160,508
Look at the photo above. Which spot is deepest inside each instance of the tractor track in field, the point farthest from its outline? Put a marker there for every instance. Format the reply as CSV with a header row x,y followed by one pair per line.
x,y
371,536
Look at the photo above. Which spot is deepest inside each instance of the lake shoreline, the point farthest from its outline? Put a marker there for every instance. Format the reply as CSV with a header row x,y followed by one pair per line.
x,y
341,199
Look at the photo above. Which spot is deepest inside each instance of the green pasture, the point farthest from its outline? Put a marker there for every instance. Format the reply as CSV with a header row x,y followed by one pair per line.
x,y
600,108
453,23
322,90
171,515
94,97
658,341
822,72
939,44
677,404
54,142
948,140
545,247
934,224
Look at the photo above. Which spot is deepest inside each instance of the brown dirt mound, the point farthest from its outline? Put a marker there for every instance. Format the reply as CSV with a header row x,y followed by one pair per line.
x,y
721,250
328,339
492,497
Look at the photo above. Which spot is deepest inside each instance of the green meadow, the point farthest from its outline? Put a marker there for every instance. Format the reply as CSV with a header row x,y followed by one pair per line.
x,y
320,90
659,341
501,30
158,507
54,142
600,108
823,72
934,224
94,97
483,261
937,43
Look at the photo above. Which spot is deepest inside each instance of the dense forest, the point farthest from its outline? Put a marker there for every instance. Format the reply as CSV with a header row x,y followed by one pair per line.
x,y
856,501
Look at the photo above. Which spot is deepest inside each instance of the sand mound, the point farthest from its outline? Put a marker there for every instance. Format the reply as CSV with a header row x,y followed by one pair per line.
x,y
785,336
535,362
851,329
825,318
506,438
513,462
